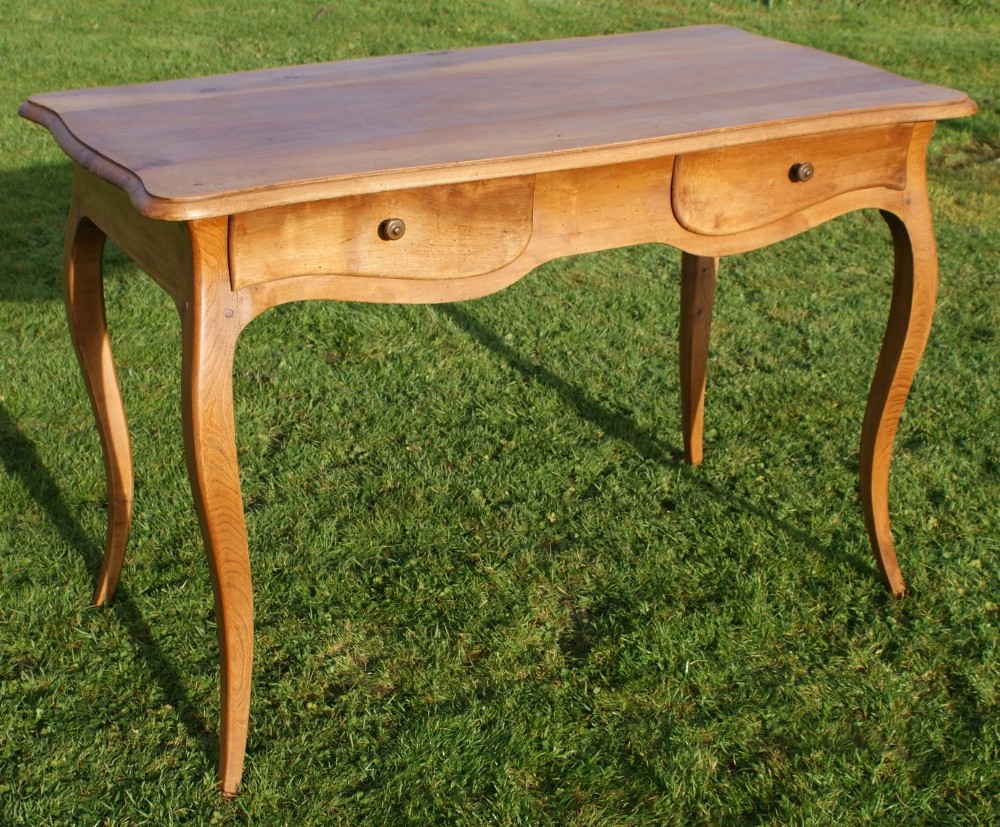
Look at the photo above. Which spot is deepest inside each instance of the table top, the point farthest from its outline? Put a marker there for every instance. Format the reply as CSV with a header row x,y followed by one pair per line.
x,y
194,148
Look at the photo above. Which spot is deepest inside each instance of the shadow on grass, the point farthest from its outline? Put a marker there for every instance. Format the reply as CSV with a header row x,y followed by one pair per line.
x,y
20,459
625,428
33,209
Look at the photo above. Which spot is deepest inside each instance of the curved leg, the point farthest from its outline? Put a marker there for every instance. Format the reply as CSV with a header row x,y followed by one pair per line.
x,y
83,284
698,277
914,291
211,326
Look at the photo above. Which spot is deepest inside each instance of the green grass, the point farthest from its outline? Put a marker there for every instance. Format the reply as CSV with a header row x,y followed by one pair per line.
x,y
488,590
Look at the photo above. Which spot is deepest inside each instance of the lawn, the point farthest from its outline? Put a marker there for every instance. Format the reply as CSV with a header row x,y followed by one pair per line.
x,y
488,589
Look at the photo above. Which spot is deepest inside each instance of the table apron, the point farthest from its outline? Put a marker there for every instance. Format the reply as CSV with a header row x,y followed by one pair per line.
x,y
586,210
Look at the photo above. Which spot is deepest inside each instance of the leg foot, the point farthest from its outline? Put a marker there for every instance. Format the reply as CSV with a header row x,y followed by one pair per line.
x,y
698,277
84,296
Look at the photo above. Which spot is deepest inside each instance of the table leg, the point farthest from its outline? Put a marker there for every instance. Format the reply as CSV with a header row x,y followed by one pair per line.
x,y
911,311
211,325
84,295
698,277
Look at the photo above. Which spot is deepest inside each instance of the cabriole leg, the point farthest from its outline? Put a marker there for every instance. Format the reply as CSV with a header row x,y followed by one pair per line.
x,y
914,291
84,296
211,325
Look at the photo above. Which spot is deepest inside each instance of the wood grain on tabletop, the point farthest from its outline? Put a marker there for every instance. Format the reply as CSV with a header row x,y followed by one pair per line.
x,y
208,146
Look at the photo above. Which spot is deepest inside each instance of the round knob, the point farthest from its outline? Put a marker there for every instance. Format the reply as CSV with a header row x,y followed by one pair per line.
x,y
391,229
802,172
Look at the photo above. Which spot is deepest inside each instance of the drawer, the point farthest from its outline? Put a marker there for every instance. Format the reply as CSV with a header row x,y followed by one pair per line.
x,y
729,190
448,231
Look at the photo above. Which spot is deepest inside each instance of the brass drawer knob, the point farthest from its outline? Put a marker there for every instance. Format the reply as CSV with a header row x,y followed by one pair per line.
x,y
391,229
801,172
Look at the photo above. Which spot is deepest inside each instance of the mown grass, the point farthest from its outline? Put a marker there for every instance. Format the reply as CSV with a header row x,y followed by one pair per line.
x,y
488,590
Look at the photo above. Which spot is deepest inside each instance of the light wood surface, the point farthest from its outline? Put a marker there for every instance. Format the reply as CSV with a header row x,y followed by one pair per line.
x,y
210,327
726,191
914,292
161,248
462,229
241,192
192,148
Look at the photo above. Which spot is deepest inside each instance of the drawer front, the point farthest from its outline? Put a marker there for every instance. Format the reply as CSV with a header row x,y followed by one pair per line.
x,y
730,190
447,231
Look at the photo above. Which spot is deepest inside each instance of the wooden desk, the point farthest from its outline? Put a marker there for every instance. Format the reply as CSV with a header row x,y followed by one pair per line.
x,y
449,175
